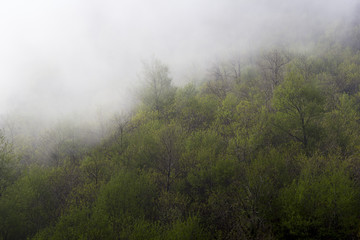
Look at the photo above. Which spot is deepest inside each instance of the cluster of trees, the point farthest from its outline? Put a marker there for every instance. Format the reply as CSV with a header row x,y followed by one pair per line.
x,y
264,149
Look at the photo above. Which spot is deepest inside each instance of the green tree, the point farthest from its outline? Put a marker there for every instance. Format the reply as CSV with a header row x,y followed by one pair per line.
x,y
193,110
323,203
33,202
342,128
124,201
299,105
188,230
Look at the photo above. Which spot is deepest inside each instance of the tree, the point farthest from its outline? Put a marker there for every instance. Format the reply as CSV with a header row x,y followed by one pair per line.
x,y
322,203
127,198
159,91
298,104
8,166
223,75
33,202
342,126
189,229
241,122
96,167
272,65
62,142
194,111
349,73
170,145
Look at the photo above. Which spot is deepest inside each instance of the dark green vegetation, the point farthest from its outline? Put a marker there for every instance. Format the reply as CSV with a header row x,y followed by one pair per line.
x,y
265,149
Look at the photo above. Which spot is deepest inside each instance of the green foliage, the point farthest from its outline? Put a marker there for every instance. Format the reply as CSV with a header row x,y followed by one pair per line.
x,y
299,106
322,203
342,127
33,202
202,149
74,225
96,167
192,110
125,199
250,129
187,230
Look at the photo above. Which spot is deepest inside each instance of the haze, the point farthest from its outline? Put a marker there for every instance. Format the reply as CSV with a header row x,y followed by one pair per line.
x,y
75,56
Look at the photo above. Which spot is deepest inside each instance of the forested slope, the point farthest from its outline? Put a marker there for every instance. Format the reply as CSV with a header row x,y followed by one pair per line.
x,y
265,148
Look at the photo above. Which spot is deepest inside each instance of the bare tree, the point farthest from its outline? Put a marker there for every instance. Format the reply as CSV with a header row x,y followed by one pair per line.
x,y
272,65
223,75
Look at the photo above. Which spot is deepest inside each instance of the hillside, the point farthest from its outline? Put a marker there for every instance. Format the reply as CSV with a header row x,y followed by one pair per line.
x,y
265,148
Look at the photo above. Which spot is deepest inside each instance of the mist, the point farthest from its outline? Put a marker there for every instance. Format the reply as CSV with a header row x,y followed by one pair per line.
x,y
83,58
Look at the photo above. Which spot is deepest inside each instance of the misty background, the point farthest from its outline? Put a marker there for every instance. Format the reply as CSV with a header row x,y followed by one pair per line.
x,y
84,58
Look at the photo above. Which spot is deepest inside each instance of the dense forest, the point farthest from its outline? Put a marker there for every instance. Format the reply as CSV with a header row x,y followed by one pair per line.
x,y
266,147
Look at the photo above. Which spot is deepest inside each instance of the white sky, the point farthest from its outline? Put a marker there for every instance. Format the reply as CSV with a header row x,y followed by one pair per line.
x,y
67,56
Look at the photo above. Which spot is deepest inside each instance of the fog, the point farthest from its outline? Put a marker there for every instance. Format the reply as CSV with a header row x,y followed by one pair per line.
x,y
82,57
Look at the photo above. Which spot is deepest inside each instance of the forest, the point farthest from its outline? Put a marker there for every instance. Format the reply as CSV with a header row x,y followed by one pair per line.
x,y
266,147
